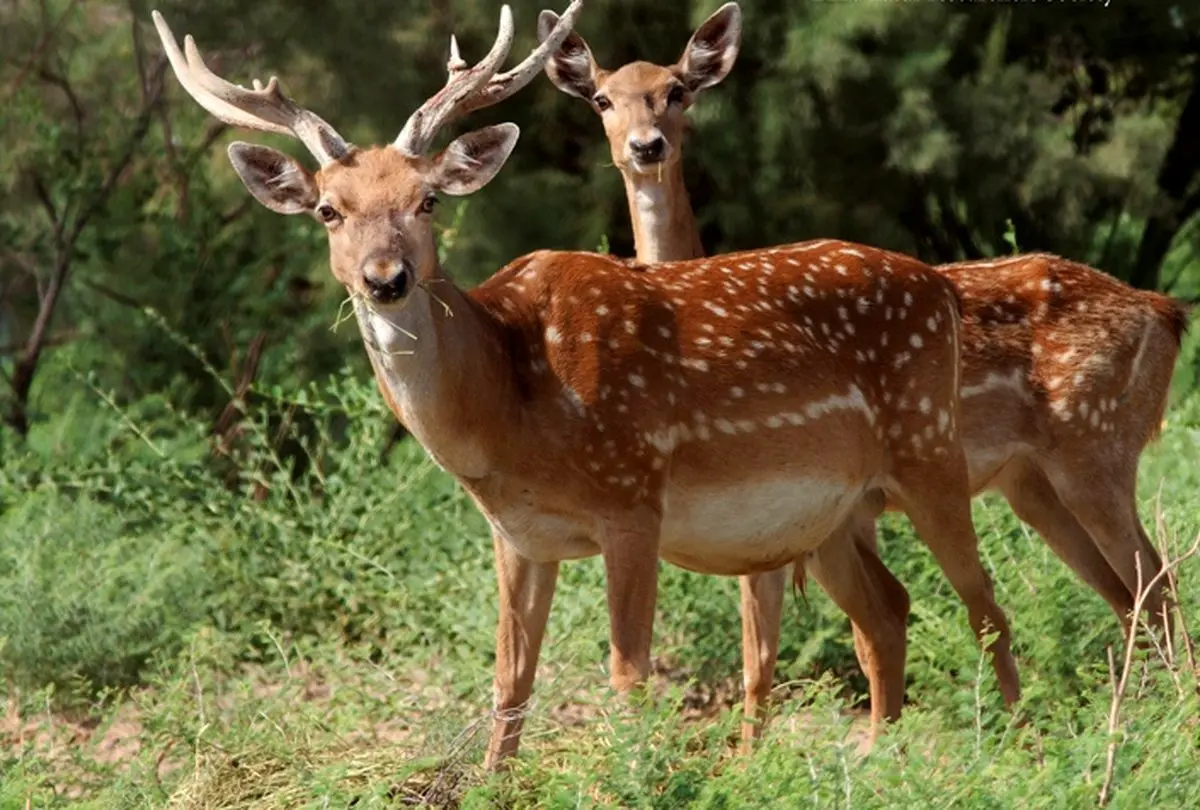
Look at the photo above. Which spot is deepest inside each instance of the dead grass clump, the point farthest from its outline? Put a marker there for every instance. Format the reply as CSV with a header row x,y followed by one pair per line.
x,y
259,778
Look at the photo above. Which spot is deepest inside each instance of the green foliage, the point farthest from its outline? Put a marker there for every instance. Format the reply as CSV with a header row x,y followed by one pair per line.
x,y
1010,236
335,639
922,127
276,617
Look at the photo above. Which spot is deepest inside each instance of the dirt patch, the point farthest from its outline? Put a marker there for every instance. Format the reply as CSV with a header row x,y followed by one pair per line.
x,y
80,752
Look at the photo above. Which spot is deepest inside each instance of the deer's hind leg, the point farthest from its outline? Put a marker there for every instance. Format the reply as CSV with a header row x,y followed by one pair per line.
x,y
1102,495
1035,501
932,489
848,569
762,610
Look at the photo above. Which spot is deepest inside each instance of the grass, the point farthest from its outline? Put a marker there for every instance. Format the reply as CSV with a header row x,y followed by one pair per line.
x,y
169,640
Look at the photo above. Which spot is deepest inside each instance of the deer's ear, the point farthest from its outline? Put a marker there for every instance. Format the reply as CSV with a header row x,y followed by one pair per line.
x,y
275,179
712,50
471,161
571,67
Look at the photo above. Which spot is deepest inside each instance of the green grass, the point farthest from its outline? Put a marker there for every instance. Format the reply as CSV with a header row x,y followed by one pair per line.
x,y
167,640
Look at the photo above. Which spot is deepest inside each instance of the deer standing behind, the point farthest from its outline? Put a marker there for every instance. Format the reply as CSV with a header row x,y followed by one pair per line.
x,y
724,415
1065,369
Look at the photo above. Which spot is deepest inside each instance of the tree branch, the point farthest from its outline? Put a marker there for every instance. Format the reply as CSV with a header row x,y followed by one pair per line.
x,y
215,130
76,107
40,49
53,340
43,195
139,56
237,212
114,295
140,128
25,367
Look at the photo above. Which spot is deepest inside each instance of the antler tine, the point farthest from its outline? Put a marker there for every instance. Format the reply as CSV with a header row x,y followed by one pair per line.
x,y
455,63
263,108
504,85
422,125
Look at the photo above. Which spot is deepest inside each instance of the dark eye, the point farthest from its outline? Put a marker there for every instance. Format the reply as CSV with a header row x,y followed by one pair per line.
x,y
676,95
427,204
328,213
601,101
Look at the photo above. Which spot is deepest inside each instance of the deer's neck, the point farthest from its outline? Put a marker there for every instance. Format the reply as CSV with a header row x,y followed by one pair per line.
x,y
664,227
440,363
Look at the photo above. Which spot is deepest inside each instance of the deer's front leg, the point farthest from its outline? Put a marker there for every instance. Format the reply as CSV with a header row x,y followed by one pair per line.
x,y
631,569
526,591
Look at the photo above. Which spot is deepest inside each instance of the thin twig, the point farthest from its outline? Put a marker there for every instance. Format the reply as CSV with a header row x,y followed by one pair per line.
x,y
113,295
139,55
15,87
1114,713
1173,587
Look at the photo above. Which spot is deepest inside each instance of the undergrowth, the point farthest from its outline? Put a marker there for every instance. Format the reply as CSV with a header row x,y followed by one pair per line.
x,y
296,622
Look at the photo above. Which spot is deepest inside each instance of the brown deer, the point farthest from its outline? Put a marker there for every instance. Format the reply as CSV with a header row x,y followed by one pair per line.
x,y
643,109
725,415
1065,369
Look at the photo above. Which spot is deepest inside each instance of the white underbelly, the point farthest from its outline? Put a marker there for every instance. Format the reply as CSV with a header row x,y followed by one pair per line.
x,y
740,526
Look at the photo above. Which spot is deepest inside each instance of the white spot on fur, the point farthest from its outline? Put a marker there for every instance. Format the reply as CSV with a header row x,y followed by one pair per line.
x,y
1013,380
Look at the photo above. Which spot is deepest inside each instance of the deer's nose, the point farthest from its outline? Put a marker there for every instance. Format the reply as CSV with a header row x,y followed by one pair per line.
x,y
649,151
387,290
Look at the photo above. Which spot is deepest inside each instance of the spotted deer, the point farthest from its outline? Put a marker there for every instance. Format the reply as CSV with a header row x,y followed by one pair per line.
x,y
724,415
643,109
1065,370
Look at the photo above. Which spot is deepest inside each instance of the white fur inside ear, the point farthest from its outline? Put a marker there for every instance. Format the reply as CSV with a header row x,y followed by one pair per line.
x,y
713,48
461,157
577,62
470,162
572,69
273,178
289,177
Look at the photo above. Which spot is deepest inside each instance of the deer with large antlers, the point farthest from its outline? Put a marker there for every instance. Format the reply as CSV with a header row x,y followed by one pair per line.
x,y
1065,369
725,415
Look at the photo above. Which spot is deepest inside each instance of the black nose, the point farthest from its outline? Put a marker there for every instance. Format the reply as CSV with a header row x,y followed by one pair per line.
x,y
649,151
395,288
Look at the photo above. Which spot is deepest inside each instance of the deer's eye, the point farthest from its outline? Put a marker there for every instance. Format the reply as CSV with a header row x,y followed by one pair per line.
x,y
327,213
601,101
428,204
675,96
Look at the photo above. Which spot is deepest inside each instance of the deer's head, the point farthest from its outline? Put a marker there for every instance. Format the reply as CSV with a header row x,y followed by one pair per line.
x,y
377,203
642,104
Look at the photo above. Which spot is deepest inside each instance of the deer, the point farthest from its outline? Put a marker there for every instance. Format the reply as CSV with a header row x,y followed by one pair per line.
x,y
1065,369
724,415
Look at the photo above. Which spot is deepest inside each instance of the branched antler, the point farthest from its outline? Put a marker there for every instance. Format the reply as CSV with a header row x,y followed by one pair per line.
x,y
473,88
263,108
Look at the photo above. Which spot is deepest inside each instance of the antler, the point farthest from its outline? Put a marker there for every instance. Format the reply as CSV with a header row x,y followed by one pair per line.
x,y
263,108
469,89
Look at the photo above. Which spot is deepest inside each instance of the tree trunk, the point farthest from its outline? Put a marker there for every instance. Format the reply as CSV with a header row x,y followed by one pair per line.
x,y
25,366
1179,169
